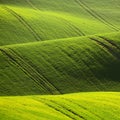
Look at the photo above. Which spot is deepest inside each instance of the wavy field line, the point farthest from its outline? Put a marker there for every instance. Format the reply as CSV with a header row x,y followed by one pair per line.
x,y
49,86
92,83
53,88
55,108
108,48
93,74
77,30
83,107
31,4
65,108
26,66
23,22
14,61
67,22
31,71
68,109
95,15
51,66
110,42
74,64
41,107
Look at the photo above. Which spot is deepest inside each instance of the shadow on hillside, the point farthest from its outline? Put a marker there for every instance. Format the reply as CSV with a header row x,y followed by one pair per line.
x,y
108,77
114,71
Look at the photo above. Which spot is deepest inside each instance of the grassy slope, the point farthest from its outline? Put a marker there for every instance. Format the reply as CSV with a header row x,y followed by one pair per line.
x,y
80,106
55,19
61,66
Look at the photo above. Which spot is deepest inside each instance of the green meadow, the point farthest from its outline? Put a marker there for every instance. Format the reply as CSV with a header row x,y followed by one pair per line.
x,y
78,106
59,60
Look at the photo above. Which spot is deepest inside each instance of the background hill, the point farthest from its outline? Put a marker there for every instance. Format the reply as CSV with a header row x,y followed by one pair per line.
x,y
37,20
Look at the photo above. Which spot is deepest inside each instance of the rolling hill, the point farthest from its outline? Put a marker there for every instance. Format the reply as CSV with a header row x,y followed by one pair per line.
x,y
59,59
37,20
82,64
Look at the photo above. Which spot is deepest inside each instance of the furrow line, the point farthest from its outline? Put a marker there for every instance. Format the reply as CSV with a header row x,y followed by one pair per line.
x,y
67,109
24,69
95,15
81,71
27,68
23,22
31,4
84,108
108,48
99,16
38,75
49,64
56,109
110,42
53,88
92,73
77,30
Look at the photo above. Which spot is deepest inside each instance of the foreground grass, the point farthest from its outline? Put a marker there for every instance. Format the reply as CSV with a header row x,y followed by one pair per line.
x,y
79,106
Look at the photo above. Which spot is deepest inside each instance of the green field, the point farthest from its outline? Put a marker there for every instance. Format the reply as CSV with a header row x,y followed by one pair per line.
x,y
78,106
59,59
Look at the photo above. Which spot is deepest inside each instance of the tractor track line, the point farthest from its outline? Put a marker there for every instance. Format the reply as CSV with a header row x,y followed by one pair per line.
x,y
44,77
84,108
67,22
34,74
24,23
77,30
68,109
65,108
39,77
108,48
92,73
51,65
72,61
81,71
31,4
95,15
55,108
15,62
110,42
